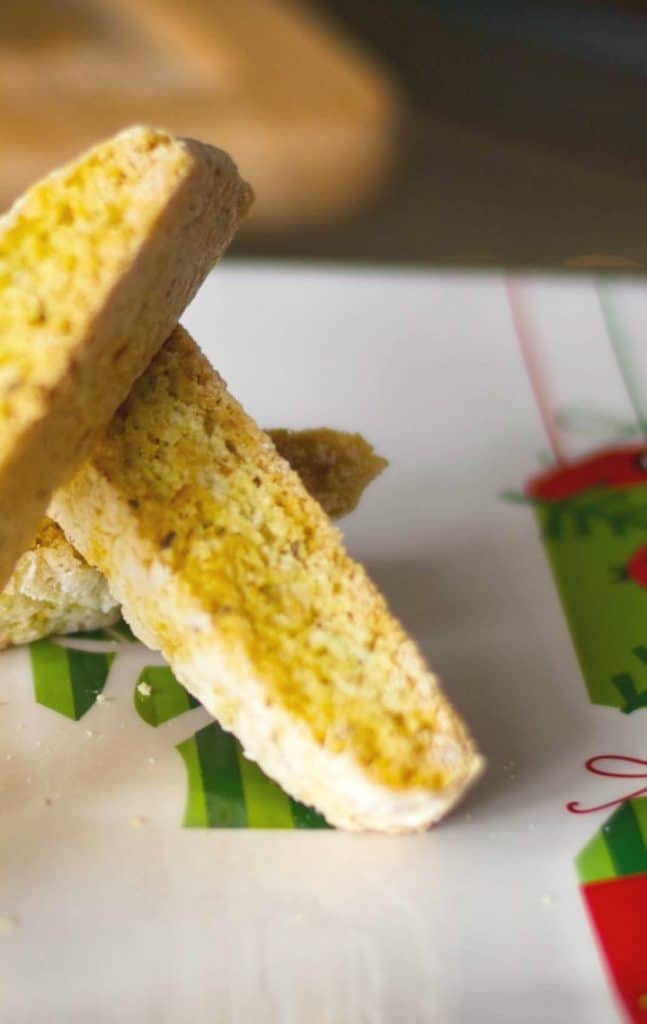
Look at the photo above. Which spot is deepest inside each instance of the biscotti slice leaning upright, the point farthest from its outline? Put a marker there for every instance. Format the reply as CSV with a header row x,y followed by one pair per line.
x,y
97,263
221,559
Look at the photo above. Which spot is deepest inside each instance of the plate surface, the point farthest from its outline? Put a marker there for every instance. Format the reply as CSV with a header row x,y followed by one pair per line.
x,y
112,911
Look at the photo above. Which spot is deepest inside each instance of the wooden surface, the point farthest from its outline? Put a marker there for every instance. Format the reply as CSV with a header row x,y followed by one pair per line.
x,y
310,119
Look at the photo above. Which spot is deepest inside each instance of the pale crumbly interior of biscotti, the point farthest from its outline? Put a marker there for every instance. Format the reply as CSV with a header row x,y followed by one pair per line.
x,y
53,590
185,480
62,246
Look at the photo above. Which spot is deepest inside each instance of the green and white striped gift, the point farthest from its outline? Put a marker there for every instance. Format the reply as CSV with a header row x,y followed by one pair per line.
x,y
224,788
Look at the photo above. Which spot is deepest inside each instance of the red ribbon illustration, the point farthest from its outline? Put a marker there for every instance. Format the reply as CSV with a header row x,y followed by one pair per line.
x,y
595,765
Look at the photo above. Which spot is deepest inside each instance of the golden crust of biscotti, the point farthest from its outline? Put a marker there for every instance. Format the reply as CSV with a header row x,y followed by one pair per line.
x,y
53,590
97,263
221,559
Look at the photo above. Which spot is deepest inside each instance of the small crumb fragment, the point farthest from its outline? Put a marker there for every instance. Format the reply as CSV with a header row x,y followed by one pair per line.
x,y
152,760
38,744
8,924
547,900
9,757
100,699
137,822
145,689
91,734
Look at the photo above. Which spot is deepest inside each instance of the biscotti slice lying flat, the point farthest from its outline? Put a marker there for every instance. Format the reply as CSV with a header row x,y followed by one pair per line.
x,y
54,590
97,263
221,559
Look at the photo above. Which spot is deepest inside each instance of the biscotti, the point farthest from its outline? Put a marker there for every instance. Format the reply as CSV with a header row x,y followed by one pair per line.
x,y
97,263
220,558
54,590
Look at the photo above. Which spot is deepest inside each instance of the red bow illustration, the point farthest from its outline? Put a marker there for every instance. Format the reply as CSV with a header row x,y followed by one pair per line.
x,y
595,765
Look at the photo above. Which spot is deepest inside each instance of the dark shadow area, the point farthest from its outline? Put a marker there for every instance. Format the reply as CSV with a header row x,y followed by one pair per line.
x,y
517,153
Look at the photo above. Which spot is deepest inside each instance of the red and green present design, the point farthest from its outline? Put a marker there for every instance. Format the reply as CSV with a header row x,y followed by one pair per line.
x,y
612,869
593,517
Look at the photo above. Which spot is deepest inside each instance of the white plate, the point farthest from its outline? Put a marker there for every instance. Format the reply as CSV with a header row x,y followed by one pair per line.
x,y
479,920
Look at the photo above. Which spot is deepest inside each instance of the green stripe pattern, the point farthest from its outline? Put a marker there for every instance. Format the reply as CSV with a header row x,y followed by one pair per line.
x,y
226,790
619,848
66,680
158,696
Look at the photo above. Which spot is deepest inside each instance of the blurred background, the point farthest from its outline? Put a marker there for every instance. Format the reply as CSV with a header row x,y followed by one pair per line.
x,y
442,132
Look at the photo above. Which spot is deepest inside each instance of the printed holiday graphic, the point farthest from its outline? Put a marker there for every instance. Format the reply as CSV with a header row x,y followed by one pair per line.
x,y
593,519
612,869
223,788
592,514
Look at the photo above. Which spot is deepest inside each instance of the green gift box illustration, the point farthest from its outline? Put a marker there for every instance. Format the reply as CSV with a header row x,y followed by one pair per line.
x,y
592,513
